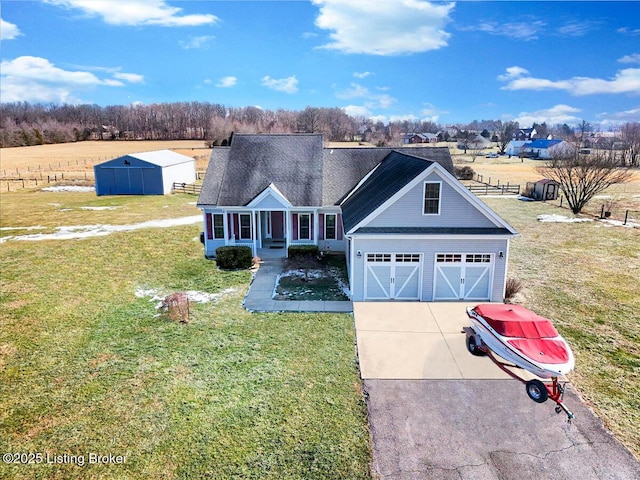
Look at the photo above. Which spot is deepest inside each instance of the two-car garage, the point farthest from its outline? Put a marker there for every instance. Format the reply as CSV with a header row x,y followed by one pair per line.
x,y
455,276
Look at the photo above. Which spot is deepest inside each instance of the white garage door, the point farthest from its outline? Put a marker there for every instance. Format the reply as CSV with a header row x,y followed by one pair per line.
x,y
393,276
463,276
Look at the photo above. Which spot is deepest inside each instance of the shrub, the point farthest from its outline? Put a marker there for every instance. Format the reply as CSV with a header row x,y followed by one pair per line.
x,y
233,257
296,251
512,288
464,173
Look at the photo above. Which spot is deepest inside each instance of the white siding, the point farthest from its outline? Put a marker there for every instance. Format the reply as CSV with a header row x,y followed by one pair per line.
x,y
180,173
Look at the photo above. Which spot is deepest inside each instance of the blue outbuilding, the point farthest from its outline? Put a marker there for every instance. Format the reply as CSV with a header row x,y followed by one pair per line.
x,y
146,173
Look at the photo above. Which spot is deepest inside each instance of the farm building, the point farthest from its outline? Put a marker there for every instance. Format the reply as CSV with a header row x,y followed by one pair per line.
x,y
147,173
544,189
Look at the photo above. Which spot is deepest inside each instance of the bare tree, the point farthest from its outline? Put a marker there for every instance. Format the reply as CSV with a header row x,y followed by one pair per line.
x,y
581,177
630,133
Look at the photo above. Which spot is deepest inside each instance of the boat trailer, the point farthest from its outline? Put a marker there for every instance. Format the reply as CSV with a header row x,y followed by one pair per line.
x,y
537,390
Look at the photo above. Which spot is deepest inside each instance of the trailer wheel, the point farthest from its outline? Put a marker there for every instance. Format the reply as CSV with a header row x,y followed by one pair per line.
x,y
472,346
537,391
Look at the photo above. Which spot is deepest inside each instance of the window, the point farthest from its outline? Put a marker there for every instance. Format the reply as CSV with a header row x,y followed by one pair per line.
x,y
431,198
304,226
378,257
407,257
330,227
479,258
245,226
218,225
449,258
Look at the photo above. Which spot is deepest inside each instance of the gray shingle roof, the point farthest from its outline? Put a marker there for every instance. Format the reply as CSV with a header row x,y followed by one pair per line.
x,y
297,164
395,171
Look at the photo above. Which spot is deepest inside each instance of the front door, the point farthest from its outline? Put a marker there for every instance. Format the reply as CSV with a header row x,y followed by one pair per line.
x,y
277,225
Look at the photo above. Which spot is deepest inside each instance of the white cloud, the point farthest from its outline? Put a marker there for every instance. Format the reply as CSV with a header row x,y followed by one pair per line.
x,y
633,58
556,114
625,81
372,100
513,72
362,74
202,41
226,82
8,31
615,118
357,111
286,85
129,77
36,79
137,12
392,27
525,30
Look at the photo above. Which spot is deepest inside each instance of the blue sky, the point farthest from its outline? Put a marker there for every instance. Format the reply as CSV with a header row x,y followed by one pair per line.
x,y
447,62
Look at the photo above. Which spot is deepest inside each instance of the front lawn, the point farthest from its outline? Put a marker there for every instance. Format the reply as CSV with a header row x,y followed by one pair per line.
x,y
86,366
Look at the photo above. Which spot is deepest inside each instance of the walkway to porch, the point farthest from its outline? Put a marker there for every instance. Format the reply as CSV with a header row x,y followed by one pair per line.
x,y
259,297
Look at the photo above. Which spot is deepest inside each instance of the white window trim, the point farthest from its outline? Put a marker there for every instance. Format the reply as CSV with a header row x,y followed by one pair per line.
x,y
424,192
250,237
213,226
335,226
300,215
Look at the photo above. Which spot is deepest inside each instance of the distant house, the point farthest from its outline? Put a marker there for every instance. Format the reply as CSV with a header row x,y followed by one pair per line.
x,y
526,134
408,228
514,146
420,138
543,149
147,173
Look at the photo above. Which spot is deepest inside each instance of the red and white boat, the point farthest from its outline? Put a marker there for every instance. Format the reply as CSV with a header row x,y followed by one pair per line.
x,y
526,339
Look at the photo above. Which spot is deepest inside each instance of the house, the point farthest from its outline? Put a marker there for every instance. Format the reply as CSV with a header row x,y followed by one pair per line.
x,y
420,138
408,228
514,146
526,134
543,149
147,173
543,189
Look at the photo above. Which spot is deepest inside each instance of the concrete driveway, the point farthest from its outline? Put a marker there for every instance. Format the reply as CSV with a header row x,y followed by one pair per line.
x,y
436,412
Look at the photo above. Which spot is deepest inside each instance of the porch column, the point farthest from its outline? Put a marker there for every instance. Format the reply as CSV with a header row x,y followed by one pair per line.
x,y
315,227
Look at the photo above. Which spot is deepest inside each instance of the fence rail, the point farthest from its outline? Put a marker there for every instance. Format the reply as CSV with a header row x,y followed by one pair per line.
x,y
480,187
187,188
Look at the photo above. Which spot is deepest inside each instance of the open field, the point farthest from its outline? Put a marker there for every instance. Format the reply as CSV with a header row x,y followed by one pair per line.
x,y
86,366
75,161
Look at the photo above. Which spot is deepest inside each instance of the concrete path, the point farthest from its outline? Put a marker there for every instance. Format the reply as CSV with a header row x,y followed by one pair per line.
x,y
259,297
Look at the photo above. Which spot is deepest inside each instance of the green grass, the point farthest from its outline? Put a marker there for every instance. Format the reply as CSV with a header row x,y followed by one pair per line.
x,y
86,366
584,276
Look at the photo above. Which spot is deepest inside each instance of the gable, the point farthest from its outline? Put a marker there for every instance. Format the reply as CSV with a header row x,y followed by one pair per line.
x,y
460,210
270,199
455,209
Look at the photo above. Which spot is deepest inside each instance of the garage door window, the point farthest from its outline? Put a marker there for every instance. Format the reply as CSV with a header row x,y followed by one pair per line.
x,y
378,257
479,258
449,258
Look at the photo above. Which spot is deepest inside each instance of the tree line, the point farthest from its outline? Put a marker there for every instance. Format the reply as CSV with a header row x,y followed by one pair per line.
x,y
24,124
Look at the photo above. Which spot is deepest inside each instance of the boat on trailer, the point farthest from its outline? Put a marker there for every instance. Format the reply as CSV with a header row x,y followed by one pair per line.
x,y
529,341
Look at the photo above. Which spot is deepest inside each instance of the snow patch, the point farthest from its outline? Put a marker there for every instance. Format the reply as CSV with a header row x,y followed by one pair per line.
x,y
69,188
561,219
88,231
98,208
156,295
